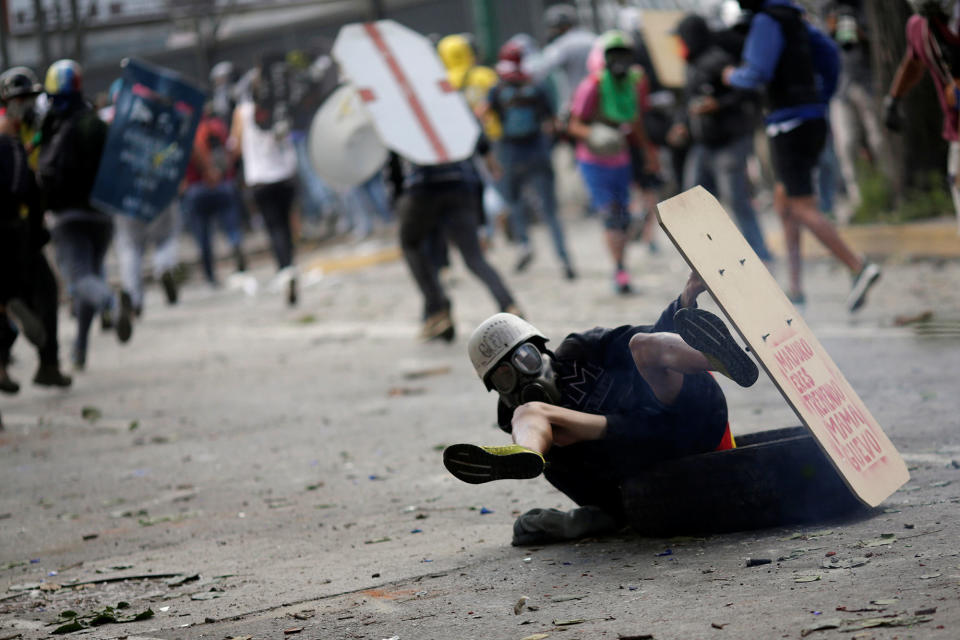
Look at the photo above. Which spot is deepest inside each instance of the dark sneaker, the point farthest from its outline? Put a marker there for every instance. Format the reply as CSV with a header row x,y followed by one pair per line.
x,y
29,323
124,324
476,465
49,375
292,292
169,287
239,259
708,334
106,320
568,272
438,325
526,257
867,277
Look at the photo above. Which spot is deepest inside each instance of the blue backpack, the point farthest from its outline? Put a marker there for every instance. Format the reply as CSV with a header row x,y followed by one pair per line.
x,y
520,110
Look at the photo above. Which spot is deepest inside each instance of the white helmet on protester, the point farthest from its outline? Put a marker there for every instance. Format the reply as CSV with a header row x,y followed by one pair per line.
x,y
932,7
495,338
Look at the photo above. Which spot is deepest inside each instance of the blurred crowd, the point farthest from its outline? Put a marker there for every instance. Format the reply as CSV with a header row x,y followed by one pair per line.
x,y
771,95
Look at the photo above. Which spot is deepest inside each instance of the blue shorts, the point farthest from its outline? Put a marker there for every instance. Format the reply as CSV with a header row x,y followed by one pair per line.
x,y
609,189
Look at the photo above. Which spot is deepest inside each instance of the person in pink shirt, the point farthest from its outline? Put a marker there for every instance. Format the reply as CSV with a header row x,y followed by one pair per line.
x,y
606,120
933,44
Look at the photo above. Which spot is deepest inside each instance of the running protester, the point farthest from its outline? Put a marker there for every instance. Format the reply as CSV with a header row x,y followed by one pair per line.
x,y
799,66
607,119
605,404
933,44
524,110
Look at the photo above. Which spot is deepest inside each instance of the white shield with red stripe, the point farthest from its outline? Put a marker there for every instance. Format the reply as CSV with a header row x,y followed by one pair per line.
x,y
404,86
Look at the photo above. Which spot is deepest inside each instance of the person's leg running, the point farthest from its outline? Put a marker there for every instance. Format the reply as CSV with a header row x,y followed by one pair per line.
x,y
544,183
792,237
419,216
274,204
953,175
734,187
130,241
460,223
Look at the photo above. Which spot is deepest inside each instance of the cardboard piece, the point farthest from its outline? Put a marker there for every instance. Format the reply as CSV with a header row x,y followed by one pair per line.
x,y
783,344
404,87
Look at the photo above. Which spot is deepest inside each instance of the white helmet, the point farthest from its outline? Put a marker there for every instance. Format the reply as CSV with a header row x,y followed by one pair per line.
x,y
496,337
928,7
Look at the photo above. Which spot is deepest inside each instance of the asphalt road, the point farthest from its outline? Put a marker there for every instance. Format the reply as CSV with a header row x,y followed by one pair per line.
x,y
255,470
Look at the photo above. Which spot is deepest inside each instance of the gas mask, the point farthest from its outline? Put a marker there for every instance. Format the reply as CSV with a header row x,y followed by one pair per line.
x,y
618,62
525,375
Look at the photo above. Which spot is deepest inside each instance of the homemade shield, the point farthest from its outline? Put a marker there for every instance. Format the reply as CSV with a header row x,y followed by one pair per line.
x,y
149,142
345,149
404,87
784,345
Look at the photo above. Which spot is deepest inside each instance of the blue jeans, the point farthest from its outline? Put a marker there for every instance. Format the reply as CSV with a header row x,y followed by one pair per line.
x,y
529,164
205,205
81,246
723,172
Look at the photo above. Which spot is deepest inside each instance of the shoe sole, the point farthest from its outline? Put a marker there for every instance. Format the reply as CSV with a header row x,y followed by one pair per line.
x,y
858,297
476,465
708,334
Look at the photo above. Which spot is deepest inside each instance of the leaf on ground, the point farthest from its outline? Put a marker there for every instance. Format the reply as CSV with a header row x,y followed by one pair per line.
x,y
887,602
845,563
568,623
821,625
930,576
70,627
91,413
883,541
897,621
427,372
807,578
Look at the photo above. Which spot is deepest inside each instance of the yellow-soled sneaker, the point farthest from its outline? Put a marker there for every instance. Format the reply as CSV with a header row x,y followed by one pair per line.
x,y
476,464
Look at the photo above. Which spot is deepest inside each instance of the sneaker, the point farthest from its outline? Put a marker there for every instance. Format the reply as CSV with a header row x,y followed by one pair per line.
x,y
106,320
568,271
621,282
708,334
29,323
438,325
526,257
49,375
476,465
169,287
867,277
292,292
124,324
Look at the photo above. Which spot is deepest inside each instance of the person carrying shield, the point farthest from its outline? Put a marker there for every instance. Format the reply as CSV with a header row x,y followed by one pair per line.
x,y
606,403
606,119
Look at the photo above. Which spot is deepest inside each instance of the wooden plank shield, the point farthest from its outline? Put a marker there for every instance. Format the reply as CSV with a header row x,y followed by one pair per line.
x,y
785,346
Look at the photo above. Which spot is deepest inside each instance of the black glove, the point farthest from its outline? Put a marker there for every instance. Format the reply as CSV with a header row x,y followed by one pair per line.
x,y
892,115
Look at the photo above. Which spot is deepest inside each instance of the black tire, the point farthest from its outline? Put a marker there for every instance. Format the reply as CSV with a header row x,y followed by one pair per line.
x,y
772,478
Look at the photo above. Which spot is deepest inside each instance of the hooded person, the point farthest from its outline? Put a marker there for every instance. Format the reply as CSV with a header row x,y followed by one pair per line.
x,y
28,288
473,80
798,65
605,404
72,139
720,120
933,45
565,55
606,118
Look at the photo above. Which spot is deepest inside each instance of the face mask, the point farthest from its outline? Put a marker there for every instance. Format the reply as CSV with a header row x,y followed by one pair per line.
x,y
526,375
619,64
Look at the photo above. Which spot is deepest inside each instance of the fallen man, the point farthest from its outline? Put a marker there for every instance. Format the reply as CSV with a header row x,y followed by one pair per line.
x,y
605,404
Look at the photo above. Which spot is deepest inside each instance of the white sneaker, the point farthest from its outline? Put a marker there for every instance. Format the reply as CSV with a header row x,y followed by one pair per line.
x,y
867,277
